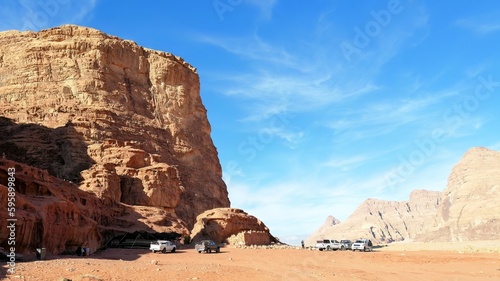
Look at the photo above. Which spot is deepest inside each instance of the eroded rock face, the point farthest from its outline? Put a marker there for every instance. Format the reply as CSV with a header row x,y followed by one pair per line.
x,y
55,214
470,208
384,221
230,225
250,237
121,121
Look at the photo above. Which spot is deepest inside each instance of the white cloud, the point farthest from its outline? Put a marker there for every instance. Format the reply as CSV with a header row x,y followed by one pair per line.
x,y
286,79
265,6
85,11
346,163
252,48
386,116
479,26
284,82
290,77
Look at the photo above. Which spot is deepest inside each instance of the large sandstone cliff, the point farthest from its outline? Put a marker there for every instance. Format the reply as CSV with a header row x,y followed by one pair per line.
x,y
470,208
121,122
467,209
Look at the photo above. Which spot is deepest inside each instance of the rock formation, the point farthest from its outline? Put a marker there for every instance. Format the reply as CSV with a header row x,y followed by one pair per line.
x,y
470,208
384,221
122,122
323,232
330,221
232,226
467,209
55,214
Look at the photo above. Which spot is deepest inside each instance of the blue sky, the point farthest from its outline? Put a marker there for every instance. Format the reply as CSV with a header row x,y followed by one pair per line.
x,y
317,105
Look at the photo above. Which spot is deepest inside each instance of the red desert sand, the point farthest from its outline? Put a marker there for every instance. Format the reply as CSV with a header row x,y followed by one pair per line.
x,y
395,262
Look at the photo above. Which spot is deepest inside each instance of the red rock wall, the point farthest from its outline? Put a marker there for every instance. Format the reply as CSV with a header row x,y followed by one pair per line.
x,y
119,120
55,214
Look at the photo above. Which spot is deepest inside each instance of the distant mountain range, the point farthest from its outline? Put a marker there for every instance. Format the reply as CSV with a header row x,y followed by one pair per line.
x,y
468,209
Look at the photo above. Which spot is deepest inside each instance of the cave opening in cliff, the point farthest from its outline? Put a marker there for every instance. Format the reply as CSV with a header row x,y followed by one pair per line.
x,y
139,239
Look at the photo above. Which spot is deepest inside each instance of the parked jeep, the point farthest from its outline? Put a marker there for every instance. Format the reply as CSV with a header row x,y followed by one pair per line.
x,y
362,245
328,245
163,246
345,244
207,246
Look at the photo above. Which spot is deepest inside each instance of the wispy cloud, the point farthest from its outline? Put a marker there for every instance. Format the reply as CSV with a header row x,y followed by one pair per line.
x,y
291,77
252,48
479,25
383,117
265,7
346,163
85,11
314,80
284,81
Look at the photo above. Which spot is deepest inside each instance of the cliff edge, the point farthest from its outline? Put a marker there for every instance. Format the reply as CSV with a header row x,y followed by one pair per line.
x,y
121,122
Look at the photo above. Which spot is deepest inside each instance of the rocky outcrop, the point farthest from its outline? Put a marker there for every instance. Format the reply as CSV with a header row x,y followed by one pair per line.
x,y
55,214
250,237
119,120
323,232
330,221
232,226
384,221
470,209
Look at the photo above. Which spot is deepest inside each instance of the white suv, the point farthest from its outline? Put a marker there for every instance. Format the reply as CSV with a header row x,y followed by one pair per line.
x,y
362,245
162,246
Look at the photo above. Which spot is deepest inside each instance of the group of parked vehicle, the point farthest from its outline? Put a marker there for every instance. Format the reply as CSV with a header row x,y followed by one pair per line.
x,y
364,245
208,246
164,246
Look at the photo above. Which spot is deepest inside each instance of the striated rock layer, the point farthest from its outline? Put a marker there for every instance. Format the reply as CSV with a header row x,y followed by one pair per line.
x,y
122,122
131,111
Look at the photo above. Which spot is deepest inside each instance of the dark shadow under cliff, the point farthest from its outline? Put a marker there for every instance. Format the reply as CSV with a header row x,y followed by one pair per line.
x,y
61,151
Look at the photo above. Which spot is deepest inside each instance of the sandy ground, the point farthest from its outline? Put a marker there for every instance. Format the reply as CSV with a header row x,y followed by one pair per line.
x,y
413,262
